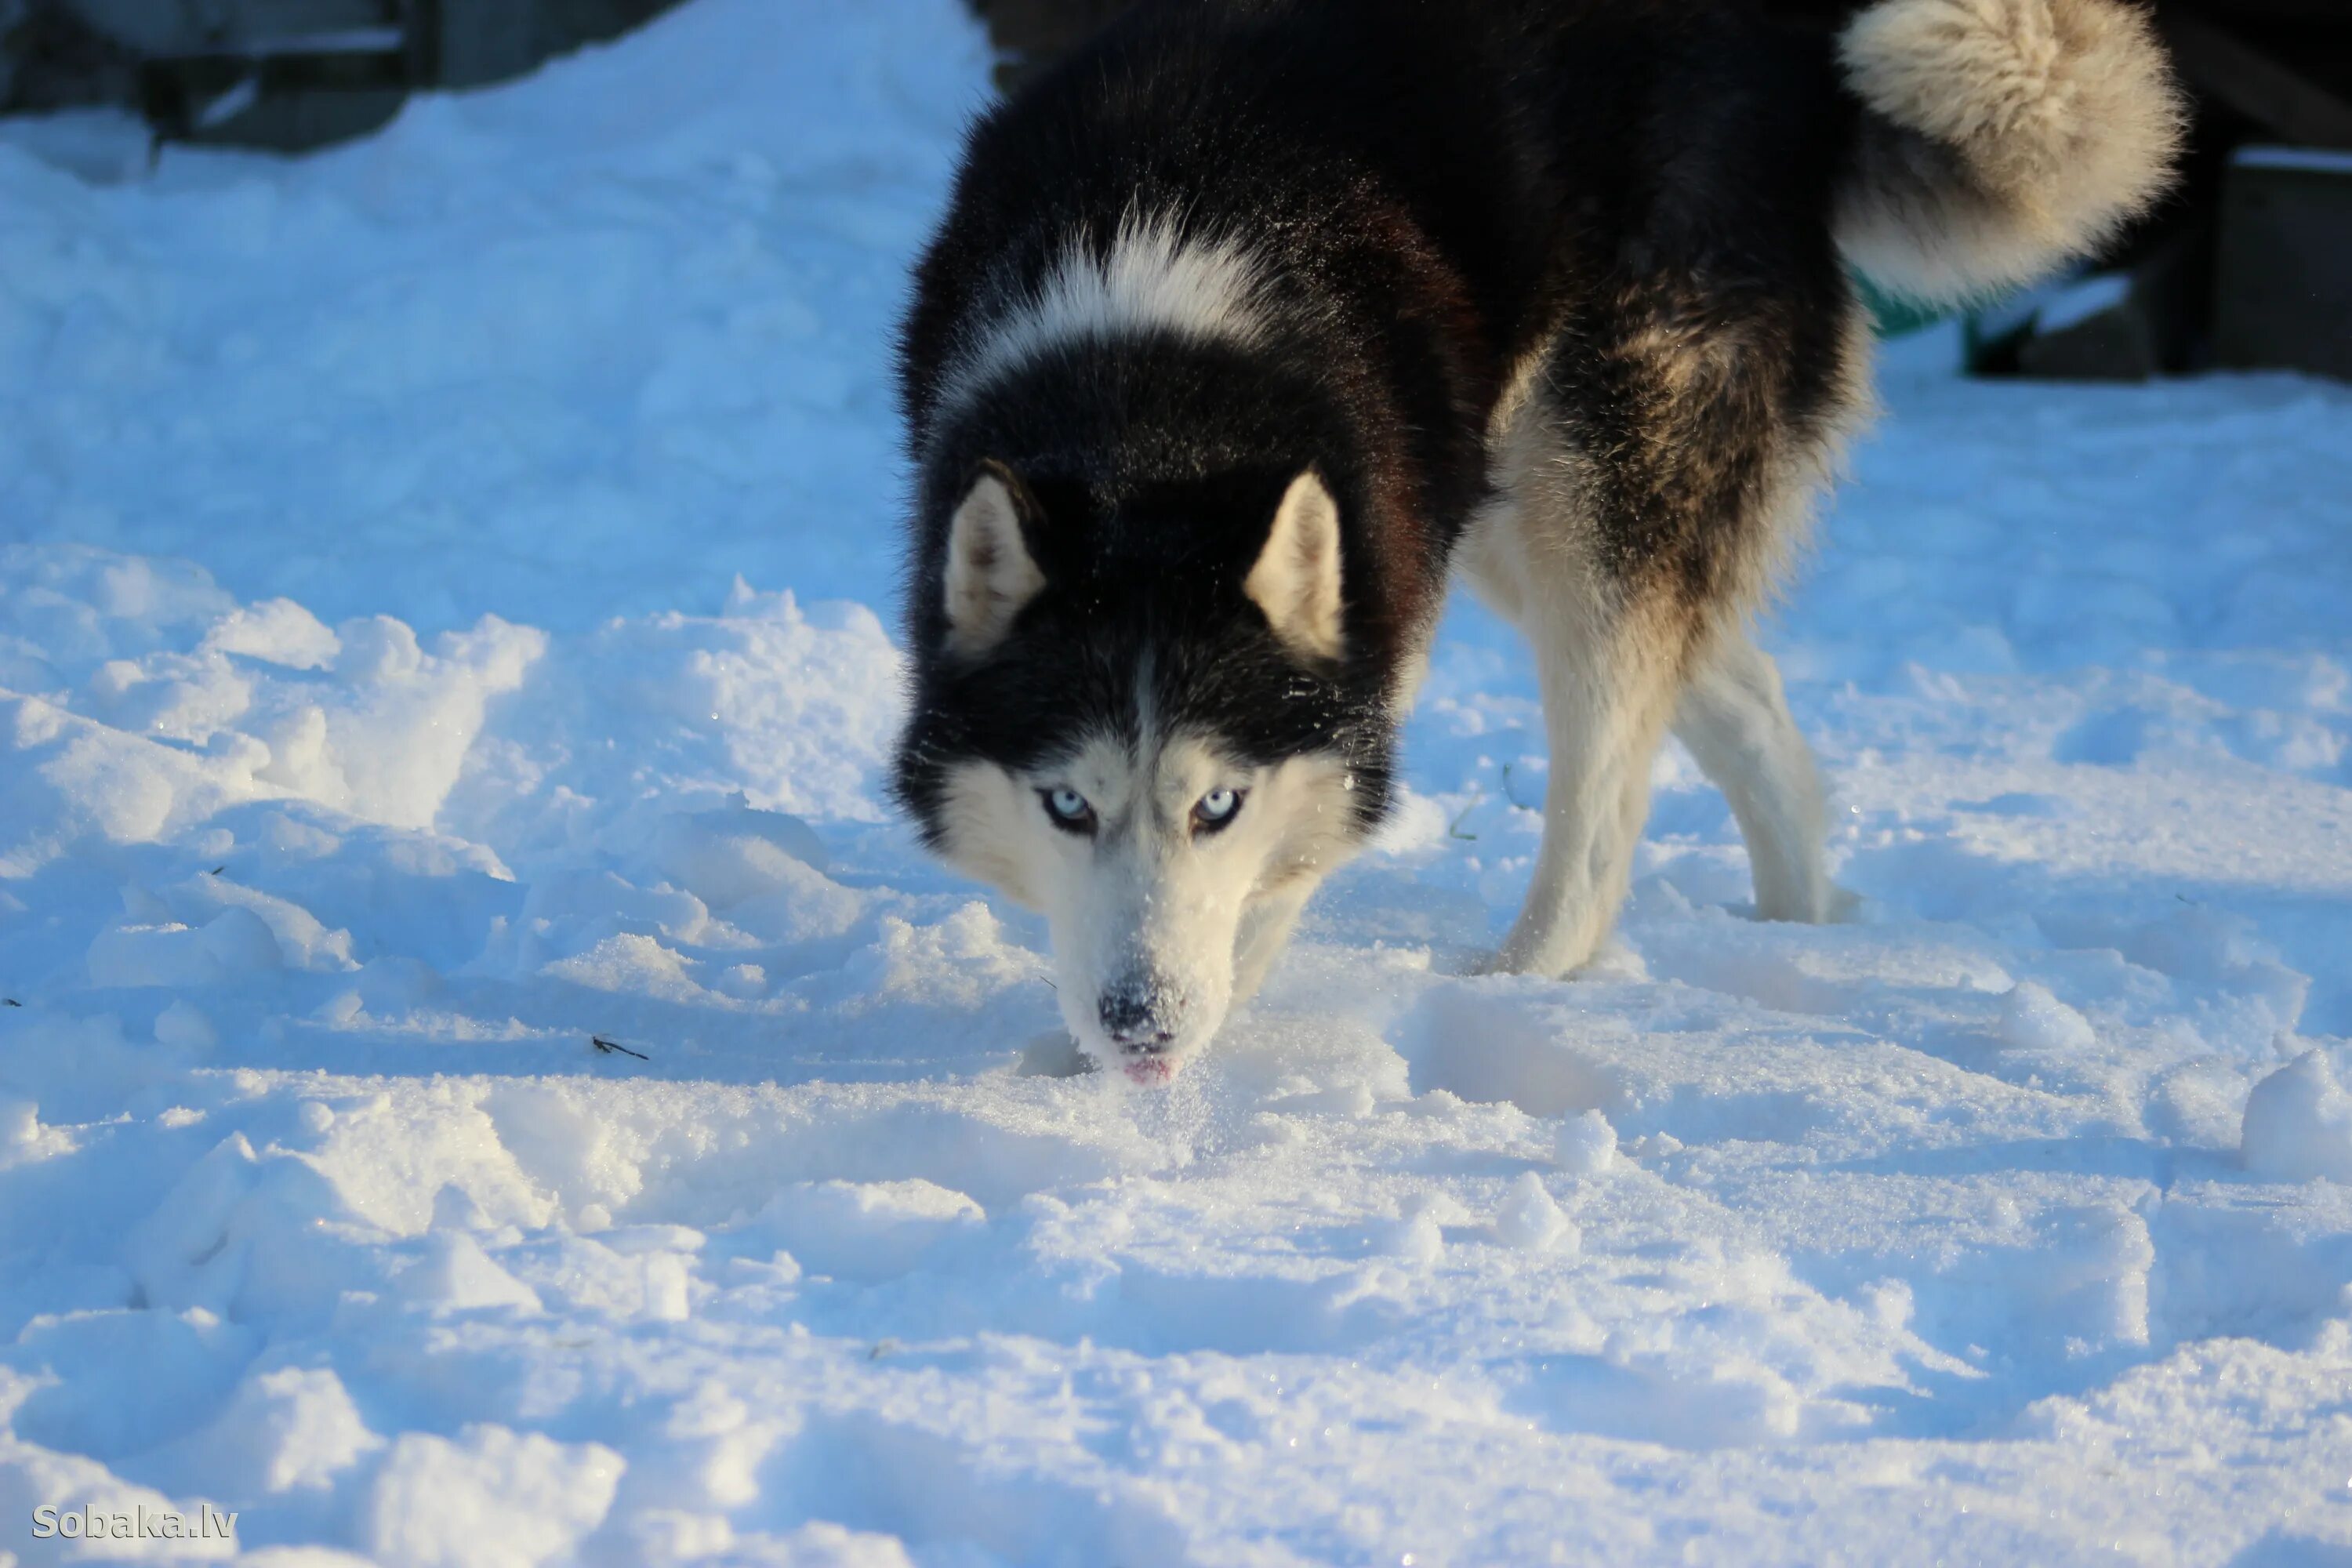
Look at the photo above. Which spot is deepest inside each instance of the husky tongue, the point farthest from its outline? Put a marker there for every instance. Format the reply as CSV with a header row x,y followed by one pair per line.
x,y
1150,1070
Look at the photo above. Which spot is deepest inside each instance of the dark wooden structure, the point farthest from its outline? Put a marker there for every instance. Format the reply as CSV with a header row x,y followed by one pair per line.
x,y
2246,265
288,74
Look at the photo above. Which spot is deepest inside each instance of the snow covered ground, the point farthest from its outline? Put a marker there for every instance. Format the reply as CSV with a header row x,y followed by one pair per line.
x,y
445,592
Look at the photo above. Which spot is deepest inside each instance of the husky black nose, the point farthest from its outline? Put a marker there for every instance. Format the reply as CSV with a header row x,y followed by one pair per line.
x,y
1131,1014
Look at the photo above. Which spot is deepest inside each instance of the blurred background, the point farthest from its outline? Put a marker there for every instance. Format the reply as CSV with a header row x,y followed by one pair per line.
x,y
2246,268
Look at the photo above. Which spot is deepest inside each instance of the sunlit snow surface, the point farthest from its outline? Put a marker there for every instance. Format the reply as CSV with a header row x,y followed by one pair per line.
x,y
378,723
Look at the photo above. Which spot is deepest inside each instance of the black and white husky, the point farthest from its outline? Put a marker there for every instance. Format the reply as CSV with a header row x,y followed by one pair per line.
x,y
1256,318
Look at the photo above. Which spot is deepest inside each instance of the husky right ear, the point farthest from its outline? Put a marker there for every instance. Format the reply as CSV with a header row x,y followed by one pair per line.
x,y
991,574
1297,579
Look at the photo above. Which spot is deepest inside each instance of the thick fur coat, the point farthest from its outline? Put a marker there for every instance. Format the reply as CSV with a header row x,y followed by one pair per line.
x,y
1251,323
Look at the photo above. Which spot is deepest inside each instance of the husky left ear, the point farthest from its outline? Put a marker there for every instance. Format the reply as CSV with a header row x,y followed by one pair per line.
x,y
990,574
1297,579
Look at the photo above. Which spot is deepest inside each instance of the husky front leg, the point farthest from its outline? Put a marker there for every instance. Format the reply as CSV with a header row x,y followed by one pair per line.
x,y
1265,932
1608,679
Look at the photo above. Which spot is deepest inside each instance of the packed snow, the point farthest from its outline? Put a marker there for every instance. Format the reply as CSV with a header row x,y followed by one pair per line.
x,y
485,1079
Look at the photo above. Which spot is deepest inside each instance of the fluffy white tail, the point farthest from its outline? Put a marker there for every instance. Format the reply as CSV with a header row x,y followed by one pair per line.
x,y
1999,138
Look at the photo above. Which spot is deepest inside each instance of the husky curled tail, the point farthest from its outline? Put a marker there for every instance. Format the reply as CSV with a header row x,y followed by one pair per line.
x,y
1999,138
1257,322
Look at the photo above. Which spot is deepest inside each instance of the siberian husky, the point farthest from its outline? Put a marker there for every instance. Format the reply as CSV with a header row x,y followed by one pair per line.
x,y
1253,320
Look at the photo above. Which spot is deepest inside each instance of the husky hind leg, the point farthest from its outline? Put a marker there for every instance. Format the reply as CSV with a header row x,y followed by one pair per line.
x,y
1735,718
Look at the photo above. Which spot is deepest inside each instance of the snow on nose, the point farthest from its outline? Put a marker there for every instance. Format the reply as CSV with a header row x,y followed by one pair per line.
x,y
1137,1014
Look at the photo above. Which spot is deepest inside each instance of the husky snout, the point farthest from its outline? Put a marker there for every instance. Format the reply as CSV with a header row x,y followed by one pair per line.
x,y
1141,998
1142,1016
1139,1014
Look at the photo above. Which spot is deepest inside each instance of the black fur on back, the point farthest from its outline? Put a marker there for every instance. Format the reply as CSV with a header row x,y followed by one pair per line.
x,y
1434,192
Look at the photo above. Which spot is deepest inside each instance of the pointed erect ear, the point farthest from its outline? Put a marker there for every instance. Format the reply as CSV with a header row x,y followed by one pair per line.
x,y
990,574
1297,579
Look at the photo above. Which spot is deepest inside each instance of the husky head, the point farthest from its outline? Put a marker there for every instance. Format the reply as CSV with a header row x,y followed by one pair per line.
x,y
1138,712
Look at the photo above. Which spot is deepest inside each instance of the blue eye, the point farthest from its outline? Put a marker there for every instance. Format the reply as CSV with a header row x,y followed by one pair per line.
x,y
1215,809
1069,809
